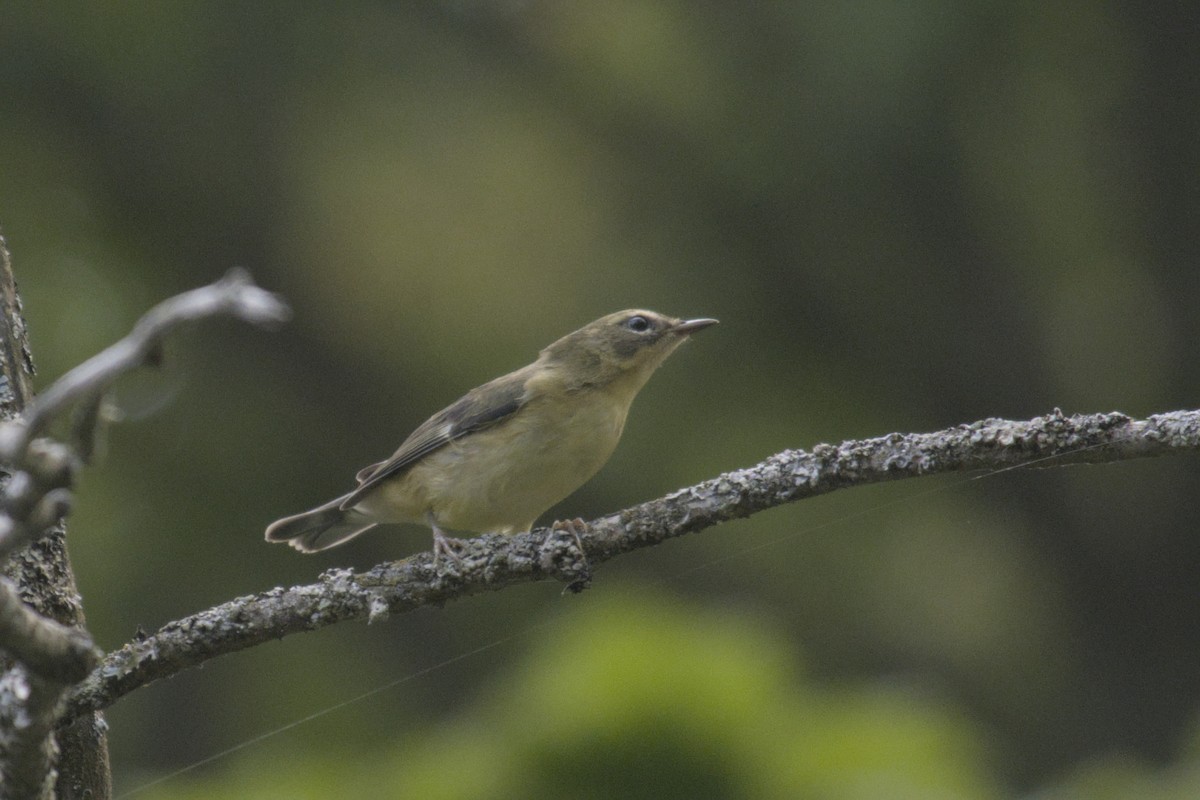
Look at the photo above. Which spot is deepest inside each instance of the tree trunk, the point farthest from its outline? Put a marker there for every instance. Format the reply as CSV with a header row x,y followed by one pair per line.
x,y
42,571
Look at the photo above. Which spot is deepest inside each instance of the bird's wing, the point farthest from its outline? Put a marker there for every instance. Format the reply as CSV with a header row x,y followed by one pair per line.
x,y
480,408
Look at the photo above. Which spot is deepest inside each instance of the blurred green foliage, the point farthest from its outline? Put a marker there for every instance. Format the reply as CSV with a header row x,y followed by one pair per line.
x,y
906,216
643,696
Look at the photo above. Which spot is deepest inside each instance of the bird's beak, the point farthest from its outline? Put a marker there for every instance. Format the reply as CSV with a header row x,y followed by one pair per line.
x,y
690,326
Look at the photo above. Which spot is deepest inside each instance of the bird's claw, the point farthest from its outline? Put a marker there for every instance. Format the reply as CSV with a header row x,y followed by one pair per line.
x,y
446,547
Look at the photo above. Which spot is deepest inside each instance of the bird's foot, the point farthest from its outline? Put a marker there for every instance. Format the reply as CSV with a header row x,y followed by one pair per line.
x,y
447,548
562,554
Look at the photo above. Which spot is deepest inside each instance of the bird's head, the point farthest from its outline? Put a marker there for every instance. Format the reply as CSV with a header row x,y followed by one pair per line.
x,y
627,345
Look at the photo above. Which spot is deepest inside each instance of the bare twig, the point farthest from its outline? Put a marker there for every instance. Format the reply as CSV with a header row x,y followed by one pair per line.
x,y
234,295
37,494
492,562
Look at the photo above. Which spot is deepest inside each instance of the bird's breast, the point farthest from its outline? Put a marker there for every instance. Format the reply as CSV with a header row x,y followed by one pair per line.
x,y
504,477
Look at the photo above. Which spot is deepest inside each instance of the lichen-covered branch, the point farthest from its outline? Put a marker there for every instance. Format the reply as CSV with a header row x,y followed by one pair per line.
x,y
492,562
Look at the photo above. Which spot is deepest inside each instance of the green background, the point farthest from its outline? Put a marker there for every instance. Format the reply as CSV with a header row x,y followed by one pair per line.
x,y
906,216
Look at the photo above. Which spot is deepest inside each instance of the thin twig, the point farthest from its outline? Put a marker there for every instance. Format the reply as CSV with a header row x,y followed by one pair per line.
x,y
37,495
492,562
235,295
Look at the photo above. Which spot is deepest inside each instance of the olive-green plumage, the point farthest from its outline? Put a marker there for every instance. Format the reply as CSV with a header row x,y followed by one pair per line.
x,y
499,457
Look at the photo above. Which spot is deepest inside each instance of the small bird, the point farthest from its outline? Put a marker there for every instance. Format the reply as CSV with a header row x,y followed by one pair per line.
x,y
496,459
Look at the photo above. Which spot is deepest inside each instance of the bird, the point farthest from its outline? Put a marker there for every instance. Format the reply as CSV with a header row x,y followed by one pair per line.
x,y
500,456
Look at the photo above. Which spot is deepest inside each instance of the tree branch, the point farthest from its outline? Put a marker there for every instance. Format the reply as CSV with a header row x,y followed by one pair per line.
x,y
234,295
41,620
56,652
36,496
492,562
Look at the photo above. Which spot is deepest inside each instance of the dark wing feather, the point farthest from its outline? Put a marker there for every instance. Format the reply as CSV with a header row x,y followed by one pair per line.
x,y
480,408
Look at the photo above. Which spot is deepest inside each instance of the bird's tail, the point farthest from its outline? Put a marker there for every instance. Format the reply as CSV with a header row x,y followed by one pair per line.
x,y
319,529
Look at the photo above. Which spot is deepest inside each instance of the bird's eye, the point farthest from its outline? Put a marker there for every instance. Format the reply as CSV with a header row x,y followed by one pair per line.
x,y
638,324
